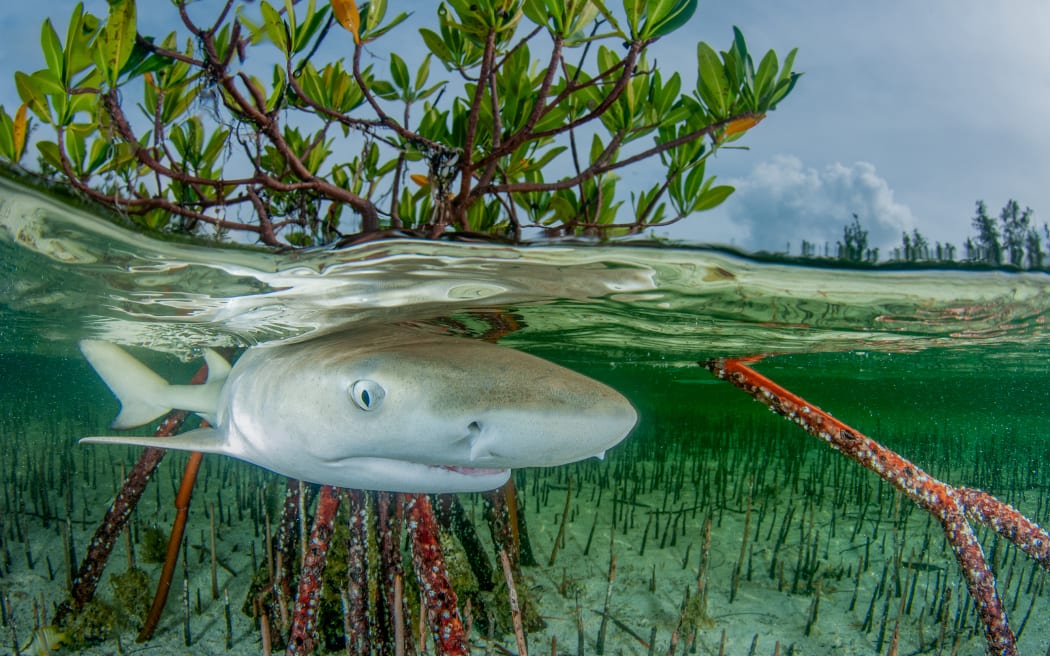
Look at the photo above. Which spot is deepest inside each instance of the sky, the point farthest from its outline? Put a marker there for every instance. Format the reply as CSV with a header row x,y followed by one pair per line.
x,y
908,112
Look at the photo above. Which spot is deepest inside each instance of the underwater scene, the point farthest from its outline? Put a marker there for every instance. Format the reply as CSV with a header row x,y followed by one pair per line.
x,y
714,527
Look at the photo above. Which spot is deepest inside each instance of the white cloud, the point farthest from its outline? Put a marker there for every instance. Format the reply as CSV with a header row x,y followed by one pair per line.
x,y
784,201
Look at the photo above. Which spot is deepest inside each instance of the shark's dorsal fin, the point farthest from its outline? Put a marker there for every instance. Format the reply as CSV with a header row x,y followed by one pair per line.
x,y
218,366
205,440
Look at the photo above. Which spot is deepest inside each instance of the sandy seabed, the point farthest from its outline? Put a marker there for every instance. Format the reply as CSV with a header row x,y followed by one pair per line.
x,y
813,523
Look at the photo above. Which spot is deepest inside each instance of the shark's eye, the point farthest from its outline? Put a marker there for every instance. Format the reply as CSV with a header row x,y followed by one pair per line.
x,y
367,394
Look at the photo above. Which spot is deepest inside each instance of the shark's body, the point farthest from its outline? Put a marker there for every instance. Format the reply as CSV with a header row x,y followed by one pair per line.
x,y
393,410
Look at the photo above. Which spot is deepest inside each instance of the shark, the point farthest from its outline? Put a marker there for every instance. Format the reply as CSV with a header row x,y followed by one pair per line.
x,y
389,409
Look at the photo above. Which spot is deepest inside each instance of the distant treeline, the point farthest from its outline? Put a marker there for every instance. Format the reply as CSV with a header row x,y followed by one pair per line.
x,y
1012,239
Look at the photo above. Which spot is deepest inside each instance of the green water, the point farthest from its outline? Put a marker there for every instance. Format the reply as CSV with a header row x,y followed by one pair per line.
x,y
950,368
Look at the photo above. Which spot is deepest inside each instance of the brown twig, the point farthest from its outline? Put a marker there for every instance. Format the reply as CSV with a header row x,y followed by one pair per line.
x,y
515,609
561,526
178,528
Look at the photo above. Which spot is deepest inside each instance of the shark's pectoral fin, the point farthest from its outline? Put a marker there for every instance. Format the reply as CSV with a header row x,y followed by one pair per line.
x,y
205,440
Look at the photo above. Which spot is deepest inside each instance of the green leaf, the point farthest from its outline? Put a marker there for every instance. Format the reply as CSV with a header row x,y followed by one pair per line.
x,y
7,137
78,52
304,32
372,15
789,62
671,16
300,239
693,180
743,59
538,12
764,79
76,148
712,85
47,83
399,71
436,44
635,10
117,40
422,73
280,82
101,149
275,27
50,154
546,157
142,61
52,48
30,92
785,82
216,144
712,197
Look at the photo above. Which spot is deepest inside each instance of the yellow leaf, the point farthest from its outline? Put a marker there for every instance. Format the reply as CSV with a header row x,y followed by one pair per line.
x,y
346,13
742,124
21,124
420,179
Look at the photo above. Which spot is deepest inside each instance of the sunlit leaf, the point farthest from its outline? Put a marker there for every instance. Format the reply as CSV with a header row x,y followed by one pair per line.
x,y
742,124
346,13
20,131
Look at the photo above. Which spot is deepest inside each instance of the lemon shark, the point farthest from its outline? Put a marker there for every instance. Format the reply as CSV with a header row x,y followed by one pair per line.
x,y
380,409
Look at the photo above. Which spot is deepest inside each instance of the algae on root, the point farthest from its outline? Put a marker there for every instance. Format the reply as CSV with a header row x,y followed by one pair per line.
x,y
133,596
153,546
92,624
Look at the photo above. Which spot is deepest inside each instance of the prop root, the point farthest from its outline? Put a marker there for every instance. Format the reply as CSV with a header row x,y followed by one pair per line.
x,y
953,507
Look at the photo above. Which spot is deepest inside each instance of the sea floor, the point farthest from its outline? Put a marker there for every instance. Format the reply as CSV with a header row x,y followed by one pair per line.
x,y
808,554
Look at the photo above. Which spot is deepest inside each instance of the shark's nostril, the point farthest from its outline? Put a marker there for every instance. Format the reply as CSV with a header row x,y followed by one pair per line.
x,y
480,448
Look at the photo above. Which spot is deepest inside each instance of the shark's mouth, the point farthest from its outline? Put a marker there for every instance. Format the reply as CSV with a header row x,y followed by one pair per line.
x,y
469,471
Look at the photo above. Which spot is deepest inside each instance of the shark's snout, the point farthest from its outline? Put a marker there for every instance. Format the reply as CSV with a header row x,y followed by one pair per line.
x,y
527,436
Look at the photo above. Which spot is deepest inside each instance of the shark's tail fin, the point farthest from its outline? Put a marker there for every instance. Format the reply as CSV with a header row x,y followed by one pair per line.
x,y
144,395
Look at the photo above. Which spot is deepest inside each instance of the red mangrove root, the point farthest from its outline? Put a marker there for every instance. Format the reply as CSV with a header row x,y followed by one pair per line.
x,y
953,507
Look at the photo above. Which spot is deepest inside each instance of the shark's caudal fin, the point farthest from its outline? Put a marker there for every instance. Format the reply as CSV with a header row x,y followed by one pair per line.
x,y
144,395
205,440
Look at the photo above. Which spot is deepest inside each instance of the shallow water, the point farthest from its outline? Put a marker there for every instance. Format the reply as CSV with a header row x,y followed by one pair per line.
x,y
949,367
